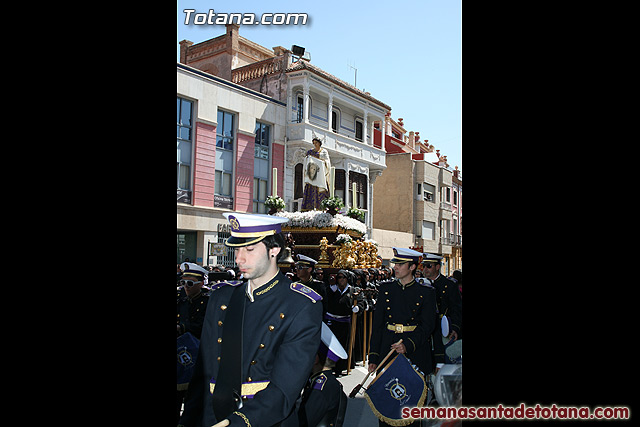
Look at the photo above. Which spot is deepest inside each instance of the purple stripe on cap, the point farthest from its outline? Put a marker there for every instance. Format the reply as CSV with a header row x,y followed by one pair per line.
x,y
259,228
331,355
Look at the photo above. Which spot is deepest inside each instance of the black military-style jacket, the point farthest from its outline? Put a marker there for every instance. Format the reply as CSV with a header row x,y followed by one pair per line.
x,y
407,312
319,287
191,312
280,338
320,400
449,302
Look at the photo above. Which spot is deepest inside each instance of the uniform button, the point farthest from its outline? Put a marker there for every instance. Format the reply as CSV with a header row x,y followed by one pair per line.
x,y
387,300
223,307
282,315
388,308
248,379
219,322
261,345
271,327
417,303
218,358
219,340
253,362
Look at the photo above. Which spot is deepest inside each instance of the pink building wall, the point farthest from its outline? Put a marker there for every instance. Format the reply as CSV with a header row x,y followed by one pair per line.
x,y
204,168
277,161
243,201
204,164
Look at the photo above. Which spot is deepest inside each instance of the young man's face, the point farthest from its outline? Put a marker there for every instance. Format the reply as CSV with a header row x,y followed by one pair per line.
x,y
194,288
253,260
403,270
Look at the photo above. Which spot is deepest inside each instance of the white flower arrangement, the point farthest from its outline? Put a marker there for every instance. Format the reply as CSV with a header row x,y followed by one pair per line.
x,y
321,219
275,202
371,241
343,238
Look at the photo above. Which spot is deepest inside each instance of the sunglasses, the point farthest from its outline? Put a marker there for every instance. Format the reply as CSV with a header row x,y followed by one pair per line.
x,y
428,265
340,277
188,283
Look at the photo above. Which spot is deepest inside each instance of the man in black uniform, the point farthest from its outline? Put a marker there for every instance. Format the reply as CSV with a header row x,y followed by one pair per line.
x,y
404,309
342,301
192,305
304,270
323,402
259,338
448,300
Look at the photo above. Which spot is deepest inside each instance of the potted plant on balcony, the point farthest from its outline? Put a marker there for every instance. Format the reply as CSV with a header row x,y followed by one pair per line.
x,y
355,213
332,204
275,204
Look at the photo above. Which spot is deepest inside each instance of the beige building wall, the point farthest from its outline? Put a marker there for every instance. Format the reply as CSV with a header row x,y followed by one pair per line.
x,y
410,205
388,239
393,195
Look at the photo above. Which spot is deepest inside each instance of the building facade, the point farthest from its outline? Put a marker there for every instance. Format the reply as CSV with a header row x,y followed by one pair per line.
x,y
422,205
315,103
229,140
245,110
456,218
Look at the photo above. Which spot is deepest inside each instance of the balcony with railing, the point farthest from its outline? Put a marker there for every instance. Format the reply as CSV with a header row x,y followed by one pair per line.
x,y
259,69
447,239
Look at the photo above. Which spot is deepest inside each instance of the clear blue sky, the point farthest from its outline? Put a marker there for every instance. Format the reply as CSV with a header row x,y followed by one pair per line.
x,y
408,54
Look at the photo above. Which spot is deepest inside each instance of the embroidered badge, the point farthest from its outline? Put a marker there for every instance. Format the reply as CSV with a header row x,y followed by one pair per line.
x,y
234,222
318,384
397,390
184,357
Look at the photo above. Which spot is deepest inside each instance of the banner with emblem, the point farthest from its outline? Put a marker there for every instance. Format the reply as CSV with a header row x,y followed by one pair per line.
x,y
399,385
187,354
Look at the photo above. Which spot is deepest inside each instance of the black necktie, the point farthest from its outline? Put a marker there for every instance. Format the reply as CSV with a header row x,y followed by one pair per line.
x,y
228,382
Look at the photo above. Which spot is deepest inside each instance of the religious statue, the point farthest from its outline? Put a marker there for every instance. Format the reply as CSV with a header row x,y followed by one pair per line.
x,y
317,167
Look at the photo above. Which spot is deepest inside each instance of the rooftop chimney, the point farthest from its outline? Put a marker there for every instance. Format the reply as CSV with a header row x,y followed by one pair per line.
x,y
184,47
232,40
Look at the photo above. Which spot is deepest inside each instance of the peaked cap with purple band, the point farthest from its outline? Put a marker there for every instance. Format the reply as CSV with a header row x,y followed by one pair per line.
x,y
249,229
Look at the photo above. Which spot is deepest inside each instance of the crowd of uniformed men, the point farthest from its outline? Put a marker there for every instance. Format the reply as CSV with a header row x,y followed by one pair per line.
x,y
407,301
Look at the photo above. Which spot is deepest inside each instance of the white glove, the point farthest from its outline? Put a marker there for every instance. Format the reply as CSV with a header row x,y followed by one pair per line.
x,y
355,309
